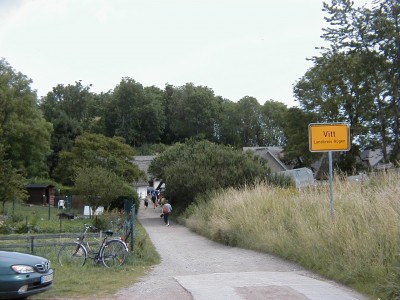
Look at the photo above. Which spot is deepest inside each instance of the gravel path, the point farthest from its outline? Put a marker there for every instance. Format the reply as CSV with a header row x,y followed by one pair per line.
x,y
193,267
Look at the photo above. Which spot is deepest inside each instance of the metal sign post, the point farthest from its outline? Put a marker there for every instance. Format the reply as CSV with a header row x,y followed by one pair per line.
x,y
328,137
331,183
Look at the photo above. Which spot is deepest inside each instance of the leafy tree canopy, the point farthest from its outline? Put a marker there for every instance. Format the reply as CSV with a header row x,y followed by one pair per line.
x,y
274,116
135,113
297,151
92,150
192,111
24,133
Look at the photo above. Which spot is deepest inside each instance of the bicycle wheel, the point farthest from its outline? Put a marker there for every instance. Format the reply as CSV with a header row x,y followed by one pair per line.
x,y
73,254
114,253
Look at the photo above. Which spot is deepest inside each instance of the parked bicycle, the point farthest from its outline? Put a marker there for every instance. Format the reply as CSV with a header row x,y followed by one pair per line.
x,y
112,251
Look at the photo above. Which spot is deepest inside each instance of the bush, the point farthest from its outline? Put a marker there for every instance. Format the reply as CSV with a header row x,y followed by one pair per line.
x,y
114,220
211,167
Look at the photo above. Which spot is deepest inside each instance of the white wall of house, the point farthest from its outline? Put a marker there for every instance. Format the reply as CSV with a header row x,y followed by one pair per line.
x,y
156,183
142,191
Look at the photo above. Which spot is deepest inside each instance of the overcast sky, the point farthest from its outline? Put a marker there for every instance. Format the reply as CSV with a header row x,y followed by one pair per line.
x,y
237,48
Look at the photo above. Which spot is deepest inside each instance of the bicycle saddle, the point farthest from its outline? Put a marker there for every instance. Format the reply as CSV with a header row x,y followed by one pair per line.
x,y
108,232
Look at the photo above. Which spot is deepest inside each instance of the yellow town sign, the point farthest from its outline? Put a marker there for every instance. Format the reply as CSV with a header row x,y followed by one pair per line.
x,y
329,137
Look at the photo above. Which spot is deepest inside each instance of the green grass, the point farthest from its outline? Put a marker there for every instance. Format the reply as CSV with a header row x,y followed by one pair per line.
x,y
360,247
35,219
96,280
90,280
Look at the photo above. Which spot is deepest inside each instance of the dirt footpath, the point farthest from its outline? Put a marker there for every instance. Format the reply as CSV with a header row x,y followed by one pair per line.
x,y
193,267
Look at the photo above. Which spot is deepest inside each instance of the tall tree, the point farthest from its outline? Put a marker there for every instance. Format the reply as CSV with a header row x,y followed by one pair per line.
x,y
227,130
75,101
168,137
135,113
296,150
24,132
252,124
193,112
72,109
336,88
375,33
387,35
274,117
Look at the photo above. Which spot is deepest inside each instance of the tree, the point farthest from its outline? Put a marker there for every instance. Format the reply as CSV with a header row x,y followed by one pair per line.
x,y
168,137
296,150
336,88
72,109
95,150
386,26
252,124
98,186
135,113
274,118
66,130
75,101
12,182
193,111
24,132
211,167
227,130
356,79
374,34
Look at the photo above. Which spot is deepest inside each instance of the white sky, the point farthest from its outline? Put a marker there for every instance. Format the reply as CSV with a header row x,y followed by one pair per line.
x,y
237,48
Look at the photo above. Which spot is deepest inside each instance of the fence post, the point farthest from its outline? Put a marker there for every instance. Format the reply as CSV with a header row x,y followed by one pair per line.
x,y
32,244
133,218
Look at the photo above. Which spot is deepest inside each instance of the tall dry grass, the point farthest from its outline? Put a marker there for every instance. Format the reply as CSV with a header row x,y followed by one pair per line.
x,y
359,246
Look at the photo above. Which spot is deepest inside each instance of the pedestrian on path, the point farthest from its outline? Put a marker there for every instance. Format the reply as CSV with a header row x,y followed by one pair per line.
x,y
154,199
167,209
148,198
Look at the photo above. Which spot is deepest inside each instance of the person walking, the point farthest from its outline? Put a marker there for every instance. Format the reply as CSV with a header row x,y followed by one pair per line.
x,y
154,199
148,198
166,210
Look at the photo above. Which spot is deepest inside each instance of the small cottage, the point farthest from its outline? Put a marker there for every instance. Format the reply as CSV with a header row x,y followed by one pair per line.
x,y
41,194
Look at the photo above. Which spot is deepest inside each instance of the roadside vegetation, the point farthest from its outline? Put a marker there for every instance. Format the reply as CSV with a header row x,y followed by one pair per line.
x,y
359,247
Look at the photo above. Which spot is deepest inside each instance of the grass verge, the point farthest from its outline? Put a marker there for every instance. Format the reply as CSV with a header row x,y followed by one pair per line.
x,y
97,281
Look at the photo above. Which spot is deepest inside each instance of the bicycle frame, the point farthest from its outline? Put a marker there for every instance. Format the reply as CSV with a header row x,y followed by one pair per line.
x,y
111,251
93,254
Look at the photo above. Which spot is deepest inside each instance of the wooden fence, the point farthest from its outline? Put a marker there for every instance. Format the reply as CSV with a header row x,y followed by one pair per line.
x,y
28,243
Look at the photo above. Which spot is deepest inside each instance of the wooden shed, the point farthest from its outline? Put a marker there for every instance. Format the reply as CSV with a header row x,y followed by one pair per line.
x,y
41,194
